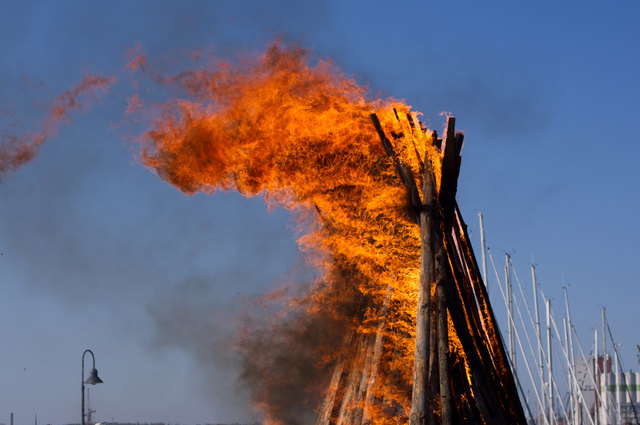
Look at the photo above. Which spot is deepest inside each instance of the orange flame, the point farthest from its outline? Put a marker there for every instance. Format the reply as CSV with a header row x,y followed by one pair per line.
x,y
299,133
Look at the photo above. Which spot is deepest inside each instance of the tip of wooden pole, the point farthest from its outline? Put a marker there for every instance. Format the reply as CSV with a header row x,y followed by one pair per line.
x,y
451,127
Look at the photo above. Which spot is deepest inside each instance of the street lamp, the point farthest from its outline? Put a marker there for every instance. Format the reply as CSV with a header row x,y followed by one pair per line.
x,y
92,379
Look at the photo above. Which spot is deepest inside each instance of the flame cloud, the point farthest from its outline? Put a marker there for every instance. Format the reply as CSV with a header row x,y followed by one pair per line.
x,y
298,132
17,150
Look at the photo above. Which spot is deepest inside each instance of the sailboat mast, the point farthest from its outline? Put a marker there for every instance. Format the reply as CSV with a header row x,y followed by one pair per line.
x,y
577,417
512,331
483,241
539,336
550,371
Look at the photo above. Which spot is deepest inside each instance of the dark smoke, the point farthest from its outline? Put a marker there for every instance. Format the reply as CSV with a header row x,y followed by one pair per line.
x,y
273,349
286,363
192,318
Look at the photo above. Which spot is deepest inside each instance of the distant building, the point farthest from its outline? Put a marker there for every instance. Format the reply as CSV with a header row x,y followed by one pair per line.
x,y
617,401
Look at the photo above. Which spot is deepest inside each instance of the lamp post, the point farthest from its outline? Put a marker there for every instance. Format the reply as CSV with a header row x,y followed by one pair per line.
x,y
92,379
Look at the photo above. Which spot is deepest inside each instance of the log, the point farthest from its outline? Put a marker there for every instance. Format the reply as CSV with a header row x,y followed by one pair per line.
x,y
433,381
442,280
446,200
420,396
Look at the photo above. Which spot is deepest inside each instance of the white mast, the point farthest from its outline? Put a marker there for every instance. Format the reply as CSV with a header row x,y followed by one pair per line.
x,y
605,373
539,336
572,372
484,252
574,387
550,371
566,345
512,343
604,342
619,417
596,373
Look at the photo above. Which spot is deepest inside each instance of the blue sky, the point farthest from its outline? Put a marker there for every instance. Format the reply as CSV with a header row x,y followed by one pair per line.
x,y
97,252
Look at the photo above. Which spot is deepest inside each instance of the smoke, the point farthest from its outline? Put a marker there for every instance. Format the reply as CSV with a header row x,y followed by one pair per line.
x,y
192,318
286,353
269,349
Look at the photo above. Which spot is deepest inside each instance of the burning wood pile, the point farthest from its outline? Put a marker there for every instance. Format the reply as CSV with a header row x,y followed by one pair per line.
x,y
395,326
461,372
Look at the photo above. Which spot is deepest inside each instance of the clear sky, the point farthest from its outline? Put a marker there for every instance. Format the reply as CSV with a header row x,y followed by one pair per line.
x,y
97,252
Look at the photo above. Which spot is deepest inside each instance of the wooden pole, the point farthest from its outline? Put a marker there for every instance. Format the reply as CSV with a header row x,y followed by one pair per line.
x,y
442,279
420,396
448,189
433,382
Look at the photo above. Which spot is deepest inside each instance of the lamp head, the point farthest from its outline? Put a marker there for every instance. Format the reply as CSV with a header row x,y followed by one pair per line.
x,y
93,378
